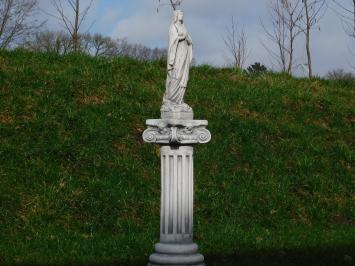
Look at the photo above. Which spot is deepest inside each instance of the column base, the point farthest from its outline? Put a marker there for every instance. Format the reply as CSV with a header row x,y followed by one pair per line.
x,y
176,255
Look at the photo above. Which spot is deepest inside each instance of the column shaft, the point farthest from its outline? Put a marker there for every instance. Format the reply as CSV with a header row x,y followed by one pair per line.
x,y
176,194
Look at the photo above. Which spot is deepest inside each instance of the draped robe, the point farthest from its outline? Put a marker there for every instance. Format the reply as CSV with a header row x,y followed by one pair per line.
x,y
179,60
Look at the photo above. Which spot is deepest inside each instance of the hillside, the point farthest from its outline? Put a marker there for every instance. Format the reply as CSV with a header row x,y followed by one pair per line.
x,y
79,187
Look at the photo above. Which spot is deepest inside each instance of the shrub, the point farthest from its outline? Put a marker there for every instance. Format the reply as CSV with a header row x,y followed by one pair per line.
x,y
257,68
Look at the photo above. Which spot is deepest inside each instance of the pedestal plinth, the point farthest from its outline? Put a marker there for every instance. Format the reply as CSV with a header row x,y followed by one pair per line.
x,y
176,137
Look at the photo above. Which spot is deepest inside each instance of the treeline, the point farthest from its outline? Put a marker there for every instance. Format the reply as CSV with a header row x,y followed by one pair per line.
x,y
20,28
290,21
92,44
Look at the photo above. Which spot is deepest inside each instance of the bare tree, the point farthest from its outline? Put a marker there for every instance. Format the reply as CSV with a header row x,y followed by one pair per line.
x,y
84,43
122,46
285,16
158,54
60,42
278,36
173,3
340,74
139,51
312,15
71,24
293,13
49,42
16,20
103,46
347,13
236,43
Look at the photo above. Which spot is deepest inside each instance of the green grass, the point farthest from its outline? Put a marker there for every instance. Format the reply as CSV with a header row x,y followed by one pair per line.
x,y
79,187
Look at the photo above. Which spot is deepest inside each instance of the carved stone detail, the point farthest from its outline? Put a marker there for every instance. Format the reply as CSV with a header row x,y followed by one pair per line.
x,y
165,131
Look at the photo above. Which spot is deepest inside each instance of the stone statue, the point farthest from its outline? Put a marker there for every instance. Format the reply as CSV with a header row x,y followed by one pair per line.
x,y
177,132
178,67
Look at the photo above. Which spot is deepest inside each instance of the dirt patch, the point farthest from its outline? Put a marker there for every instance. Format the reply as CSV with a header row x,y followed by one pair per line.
x,y
2,64
30,207
94,99
350,118
138,132
321,123
236,78
119,146
341,219
243,111
27,118
6,119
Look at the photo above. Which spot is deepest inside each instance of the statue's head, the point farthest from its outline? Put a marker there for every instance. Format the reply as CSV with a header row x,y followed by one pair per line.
x,y
178,16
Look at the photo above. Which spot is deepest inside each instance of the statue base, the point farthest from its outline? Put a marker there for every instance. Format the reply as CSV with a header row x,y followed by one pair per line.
x,y
171,110
177,115
176,254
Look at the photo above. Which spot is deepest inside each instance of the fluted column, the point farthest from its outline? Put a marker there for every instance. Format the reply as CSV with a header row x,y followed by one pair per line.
x,y
176,138
177,194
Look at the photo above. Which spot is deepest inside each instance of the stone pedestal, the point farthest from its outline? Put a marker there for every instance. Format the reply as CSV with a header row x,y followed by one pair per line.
x,y
176,137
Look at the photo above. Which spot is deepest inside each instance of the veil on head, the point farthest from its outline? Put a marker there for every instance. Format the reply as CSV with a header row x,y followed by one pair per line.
x,y
176,15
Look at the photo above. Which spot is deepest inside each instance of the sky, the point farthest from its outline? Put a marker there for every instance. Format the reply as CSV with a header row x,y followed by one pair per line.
x,y
207,21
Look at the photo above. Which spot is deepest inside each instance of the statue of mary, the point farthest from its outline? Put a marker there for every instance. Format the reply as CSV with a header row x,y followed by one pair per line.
x,y
178,67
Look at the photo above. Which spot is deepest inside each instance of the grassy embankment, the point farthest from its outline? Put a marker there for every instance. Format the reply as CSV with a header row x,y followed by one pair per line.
x,y
79,187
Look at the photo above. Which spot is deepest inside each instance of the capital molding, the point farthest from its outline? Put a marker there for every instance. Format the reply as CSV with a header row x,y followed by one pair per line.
x,y
175,131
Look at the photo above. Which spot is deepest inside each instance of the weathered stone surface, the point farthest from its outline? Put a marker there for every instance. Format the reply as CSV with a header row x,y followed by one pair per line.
x,y
178,66
176,131
176,245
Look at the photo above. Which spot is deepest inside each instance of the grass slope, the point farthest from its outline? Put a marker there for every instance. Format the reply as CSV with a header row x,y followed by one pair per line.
x,y
79,187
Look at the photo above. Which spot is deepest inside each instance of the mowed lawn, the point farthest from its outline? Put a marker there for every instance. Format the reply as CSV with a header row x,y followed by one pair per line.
x,y
79,187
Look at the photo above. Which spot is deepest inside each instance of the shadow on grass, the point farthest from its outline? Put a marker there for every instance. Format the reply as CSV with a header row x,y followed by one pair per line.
x,y
310,257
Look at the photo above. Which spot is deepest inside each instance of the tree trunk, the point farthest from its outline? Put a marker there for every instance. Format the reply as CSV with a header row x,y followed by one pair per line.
x,y
3,19
290,63
76,26
309,55
5,16
308,39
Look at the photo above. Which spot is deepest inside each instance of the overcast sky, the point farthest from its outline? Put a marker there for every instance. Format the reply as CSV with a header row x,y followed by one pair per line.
x,y
206,20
